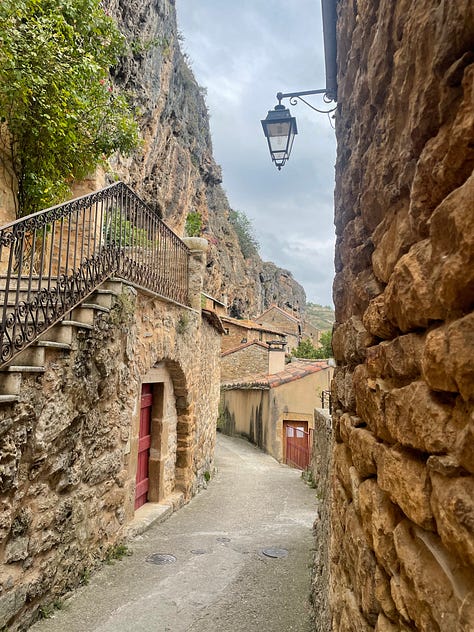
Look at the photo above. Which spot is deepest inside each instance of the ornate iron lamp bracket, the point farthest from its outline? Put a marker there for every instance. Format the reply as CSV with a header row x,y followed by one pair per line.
x,y
295,96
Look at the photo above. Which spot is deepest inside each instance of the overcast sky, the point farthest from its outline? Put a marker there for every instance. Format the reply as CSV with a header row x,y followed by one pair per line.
x,y
244,53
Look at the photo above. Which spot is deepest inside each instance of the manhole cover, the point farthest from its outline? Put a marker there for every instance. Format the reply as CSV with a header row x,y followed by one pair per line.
x,y
198,551
222,539
274,552
161,558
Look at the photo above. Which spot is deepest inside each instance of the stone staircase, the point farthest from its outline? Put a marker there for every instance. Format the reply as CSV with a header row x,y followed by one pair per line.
x,y
58,339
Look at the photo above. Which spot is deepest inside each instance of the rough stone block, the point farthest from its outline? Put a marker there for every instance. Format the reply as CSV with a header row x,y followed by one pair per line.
x,y
379,518
350,341
404,477
383,595
465,442
362,443
399,359
452,501
447,359
343,388
421,419
410,291
426,586
376,321
452,235
370,396
385,625
342,463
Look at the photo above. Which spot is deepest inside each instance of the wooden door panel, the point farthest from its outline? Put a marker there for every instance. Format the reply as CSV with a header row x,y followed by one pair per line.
x,y
144,442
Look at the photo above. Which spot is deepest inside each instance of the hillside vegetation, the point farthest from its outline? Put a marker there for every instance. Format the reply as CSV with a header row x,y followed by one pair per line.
x,y
321,316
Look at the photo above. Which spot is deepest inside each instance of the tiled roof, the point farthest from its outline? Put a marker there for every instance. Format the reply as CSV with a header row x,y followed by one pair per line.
x,y
293,371
244,345
251,324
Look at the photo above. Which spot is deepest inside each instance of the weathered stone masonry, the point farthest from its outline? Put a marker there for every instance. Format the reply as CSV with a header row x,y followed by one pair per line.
x,y
69,445
402,552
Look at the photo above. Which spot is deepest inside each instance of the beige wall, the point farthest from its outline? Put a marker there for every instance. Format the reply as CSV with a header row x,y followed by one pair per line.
x,y
246,413
403,479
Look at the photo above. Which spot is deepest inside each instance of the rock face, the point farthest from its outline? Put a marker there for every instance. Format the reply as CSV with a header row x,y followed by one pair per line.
x,y
175,171
402,509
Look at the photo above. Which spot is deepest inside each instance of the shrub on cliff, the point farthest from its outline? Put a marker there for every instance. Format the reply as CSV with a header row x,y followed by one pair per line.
x,y
60,115
244,230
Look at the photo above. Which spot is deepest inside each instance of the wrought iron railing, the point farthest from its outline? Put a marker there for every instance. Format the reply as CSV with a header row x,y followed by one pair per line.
x,y
52,260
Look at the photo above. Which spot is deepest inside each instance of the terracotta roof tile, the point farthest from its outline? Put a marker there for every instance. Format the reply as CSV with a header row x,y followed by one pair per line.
x,y
293,371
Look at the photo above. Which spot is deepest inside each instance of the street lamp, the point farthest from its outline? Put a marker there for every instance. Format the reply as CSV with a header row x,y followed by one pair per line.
x,y
280,127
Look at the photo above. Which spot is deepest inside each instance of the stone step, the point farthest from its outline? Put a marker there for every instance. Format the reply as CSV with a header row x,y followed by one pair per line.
x,y
102,298
8,399
85,313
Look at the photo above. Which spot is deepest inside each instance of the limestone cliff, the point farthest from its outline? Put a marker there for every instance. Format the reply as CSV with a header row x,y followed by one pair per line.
x,y
175,171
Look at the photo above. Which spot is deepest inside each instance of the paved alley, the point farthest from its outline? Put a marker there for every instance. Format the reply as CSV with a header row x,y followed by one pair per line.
x,y
221,581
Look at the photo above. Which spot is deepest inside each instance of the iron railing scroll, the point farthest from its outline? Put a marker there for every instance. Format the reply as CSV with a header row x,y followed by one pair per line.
x,y
52,260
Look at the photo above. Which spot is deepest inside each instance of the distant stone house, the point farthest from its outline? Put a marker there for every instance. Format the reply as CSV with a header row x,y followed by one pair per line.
x,y
239,332
311,333
277,317
252,358
264,406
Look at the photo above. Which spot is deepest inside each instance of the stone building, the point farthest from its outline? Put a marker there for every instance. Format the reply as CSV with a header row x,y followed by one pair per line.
x,y
106,421
242,331
402,544
292,326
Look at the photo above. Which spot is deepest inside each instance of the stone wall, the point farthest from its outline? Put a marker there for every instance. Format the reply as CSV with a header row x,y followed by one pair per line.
x,y
321,479
249,360
402,550
69,445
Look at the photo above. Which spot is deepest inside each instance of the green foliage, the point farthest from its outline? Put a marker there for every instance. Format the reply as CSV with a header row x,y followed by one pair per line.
x,y
325,341
193,224
306,349
47,611
207,476
60,114
245,233
117,552
121,231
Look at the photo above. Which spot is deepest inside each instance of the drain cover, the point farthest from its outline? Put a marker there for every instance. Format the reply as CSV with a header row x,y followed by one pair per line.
x,y
199,551
161,558
274,552
222,539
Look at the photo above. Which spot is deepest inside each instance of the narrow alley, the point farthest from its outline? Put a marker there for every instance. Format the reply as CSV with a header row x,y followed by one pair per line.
x,y
221,580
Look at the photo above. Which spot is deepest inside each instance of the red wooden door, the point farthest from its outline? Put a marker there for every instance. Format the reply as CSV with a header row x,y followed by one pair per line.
x,y
144,442
297,448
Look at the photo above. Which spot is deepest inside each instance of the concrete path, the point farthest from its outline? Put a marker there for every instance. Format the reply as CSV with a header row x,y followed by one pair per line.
x,y
221,581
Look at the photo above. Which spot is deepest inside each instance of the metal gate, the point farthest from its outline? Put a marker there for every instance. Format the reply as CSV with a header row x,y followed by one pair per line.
x,y
144,442
298,445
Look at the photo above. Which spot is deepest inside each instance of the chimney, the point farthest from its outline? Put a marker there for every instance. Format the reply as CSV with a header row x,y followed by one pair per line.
x,y
276,356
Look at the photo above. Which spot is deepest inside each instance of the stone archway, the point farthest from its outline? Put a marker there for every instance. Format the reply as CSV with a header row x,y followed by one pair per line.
x,y
185,429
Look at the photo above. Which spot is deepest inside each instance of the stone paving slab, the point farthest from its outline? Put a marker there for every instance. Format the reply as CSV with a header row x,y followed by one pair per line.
x,y
221,581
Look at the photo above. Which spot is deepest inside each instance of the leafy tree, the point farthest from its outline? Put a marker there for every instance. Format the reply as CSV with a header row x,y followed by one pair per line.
x,y
306,349
325,341
60,116
245,233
